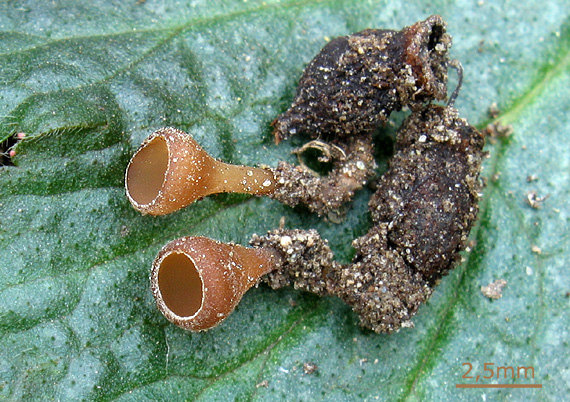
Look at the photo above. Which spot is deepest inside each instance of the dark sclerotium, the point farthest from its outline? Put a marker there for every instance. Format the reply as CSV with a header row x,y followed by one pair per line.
x,y
356,81
323,194
428,197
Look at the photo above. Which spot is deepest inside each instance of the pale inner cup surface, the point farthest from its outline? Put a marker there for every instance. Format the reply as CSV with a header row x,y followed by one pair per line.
x,y
180,284
147,171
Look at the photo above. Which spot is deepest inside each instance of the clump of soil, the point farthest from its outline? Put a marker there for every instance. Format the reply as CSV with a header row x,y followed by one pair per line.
x,y
422,212
345,93
353,166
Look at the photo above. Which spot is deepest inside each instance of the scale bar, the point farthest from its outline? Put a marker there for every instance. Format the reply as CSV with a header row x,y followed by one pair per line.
x,y
498,385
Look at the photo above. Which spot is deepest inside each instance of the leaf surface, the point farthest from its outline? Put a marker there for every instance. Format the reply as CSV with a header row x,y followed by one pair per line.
x,y
88,81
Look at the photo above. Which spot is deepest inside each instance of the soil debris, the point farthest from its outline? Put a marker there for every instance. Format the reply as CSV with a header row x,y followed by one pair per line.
x,y
422,212
429,195
497,130
353,166
310,367
534,200
494,290
493,110
307,259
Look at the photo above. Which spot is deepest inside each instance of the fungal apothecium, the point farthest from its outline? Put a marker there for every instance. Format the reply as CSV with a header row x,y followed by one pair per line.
x,y
422,211
170,171
197,282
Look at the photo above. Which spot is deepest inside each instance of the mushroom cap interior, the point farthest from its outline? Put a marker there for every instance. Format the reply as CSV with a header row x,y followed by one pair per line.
x,y
147,170
180,284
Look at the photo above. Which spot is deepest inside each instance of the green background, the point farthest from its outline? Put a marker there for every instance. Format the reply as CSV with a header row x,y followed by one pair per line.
x,y
87,81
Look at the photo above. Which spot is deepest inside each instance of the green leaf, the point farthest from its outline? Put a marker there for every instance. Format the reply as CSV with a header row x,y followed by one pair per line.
x,y
87,81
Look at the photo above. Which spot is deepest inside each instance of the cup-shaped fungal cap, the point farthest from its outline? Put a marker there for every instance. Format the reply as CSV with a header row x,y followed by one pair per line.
x,y
170,171
197,282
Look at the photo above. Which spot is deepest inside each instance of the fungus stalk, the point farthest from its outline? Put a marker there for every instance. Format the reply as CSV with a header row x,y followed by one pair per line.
x,y
197,282
170,171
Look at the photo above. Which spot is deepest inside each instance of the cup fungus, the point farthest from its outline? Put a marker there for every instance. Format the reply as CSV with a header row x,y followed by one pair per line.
x,y
170,171
197,282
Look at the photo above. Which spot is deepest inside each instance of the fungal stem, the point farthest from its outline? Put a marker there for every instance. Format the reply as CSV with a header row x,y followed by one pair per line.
x,y
227,178
197,282
170,171
459,68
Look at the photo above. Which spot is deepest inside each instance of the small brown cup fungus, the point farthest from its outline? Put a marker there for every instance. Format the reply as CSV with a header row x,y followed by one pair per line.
x,y
170,171
197,282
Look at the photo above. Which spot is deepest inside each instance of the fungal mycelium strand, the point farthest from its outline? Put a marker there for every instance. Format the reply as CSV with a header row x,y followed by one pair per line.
x,y
170,171
197,282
